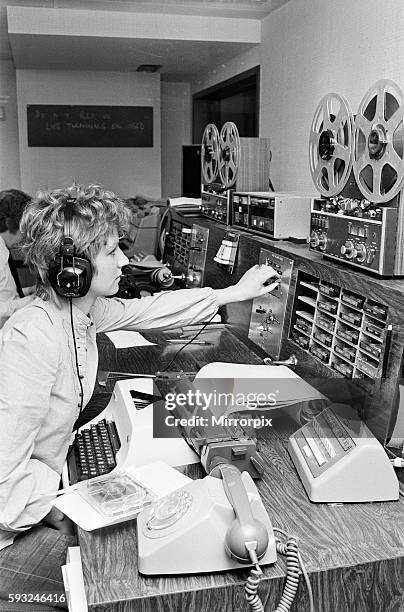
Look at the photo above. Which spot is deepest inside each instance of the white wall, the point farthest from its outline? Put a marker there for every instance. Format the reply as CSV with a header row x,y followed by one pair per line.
x,y
217,74
175,132
310,48
124,170
9,154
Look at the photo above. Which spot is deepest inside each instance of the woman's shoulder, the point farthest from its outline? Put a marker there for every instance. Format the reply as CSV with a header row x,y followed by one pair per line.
x,y
32,330
38,315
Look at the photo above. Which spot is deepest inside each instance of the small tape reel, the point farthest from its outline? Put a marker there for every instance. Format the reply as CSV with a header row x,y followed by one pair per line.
x,y
331,144
210,153
378,161
229,156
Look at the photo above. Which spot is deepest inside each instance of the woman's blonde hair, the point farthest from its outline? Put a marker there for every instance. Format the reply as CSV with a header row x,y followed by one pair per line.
x,y
97,213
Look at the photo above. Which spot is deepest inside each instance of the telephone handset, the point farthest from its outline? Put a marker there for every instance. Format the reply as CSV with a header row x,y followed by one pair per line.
x,y
209,525
247,538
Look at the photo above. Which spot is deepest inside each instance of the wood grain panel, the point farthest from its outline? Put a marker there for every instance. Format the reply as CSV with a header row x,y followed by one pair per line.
x,y
253,167
353,552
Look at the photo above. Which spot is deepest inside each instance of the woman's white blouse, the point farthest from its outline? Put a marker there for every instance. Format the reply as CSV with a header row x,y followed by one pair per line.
x,y
40,391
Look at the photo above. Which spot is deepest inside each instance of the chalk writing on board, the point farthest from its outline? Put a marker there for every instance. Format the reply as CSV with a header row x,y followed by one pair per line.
x,y
89,126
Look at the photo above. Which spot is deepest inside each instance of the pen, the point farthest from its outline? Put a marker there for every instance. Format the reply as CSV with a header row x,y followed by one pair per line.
x,y
103,376
60,491
185,340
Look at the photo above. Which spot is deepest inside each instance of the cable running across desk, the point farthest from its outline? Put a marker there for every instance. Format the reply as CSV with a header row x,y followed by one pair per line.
x,y
187,344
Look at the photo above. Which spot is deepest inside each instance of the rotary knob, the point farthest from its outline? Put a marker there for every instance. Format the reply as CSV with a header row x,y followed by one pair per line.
x,y
314,240
370,255
322,242
348,249
194,278
263,328
361,253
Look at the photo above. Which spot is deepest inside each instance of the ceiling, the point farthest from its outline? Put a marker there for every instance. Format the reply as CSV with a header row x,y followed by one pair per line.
x,y
181,60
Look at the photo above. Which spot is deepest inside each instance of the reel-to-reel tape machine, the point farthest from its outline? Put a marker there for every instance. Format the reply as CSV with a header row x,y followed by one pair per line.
x,y
230,162
357,164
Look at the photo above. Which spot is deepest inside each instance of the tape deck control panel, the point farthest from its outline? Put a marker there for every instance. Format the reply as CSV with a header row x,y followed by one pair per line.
x,y
357,165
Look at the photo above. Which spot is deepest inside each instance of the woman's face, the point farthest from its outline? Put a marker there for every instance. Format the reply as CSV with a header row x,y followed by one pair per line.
x,y
108,262
11,238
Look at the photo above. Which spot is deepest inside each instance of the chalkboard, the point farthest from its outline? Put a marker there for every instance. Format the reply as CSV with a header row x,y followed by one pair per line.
x,y
89,126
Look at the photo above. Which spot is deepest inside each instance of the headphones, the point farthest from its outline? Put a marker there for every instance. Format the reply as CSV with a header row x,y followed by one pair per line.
x,y
70,274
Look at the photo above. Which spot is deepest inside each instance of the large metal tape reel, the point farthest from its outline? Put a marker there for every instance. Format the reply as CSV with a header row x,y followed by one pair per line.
x,y
229,157
210,153
378,162
331,144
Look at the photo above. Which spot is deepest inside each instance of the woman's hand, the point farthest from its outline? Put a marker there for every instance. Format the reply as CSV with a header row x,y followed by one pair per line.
x,y
257,281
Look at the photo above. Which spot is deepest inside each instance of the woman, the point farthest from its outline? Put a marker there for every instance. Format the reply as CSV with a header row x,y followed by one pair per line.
x,y
48,365
12,204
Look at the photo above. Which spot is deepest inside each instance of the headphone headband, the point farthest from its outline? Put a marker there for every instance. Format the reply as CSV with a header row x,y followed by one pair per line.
x,y
69,204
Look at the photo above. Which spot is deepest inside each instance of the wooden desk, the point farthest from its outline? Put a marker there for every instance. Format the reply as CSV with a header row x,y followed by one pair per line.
x,y
353,553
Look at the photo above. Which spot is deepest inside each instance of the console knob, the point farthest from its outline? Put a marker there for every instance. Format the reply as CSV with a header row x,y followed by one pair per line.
x,y
322,242
361,253
370,255
194,278
314,240
348,249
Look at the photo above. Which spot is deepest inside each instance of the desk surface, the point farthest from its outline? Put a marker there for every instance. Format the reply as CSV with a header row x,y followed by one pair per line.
x,y
353,553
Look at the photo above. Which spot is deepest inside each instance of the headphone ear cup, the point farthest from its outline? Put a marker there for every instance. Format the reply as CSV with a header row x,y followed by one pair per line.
x,y
70,276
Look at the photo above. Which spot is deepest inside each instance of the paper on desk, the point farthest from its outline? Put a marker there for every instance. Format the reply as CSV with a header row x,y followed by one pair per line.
x,y
159,477
250,381
126,339
73,581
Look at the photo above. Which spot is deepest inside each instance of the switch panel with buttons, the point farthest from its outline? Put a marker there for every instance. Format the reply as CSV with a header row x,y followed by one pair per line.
x,y
216,205
197,256
268,311
185,253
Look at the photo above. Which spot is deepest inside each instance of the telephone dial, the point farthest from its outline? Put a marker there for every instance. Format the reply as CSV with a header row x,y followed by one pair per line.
x,y
226,515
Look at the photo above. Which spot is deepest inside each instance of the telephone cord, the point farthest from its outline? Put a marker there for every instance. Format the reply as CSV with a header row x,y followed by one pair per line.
x,y
290,549
251,588
294,552
294,565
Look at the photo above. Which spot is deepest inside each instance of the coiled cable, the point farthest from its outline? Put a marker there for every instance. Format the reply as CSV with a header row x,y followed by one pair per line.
x,y
251,588
294,566
290,549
